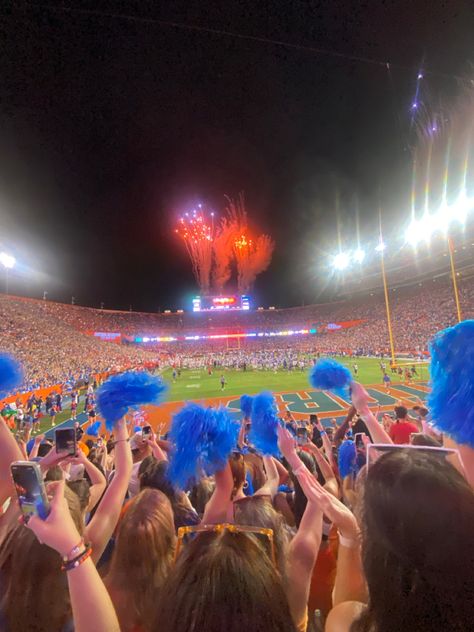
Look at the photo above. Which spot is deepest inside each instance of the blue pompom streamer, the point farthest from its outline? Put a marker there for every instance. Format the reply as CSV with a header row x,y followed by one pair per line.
x,y
347,459
128,390
246,402
11,374
329,375
93,429
203,439
451,400
263,432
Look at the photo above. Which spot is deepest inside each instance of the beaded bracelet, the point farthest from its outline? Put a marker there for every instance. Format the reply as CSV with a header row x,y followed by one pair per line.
x,y
74,552
77,561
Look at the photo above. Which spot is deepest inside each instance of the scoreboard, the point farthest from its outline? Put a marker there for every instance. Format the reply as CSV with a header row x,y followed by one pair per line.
x,y
221,303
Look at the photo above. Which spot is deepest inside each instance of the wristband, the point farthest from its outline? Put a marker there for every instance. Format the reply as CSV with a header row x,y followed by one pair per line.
x,y
77,561
347,542
121,441
321,432
74,552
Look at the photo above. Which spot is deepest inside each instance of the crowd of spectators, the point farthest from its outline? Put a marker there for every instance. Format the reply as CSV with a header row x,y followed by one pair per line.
x,y
52,352
55,344
330,535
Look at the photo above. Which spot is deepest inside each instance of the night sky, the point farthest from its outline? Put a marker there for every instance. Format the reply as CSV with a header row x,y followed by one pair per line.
x,y
111,127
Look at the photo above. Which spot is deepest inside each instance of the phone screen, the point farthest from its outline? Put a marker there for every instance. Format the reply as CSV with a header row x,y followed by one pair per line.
x,y
66,440
358,440
30,489
146,430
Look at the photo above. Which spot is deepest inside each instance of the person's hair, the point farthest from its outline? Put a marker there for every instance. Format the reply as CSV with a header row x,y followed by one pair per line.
x,y
155,475
424,439
237,467
143,553
400,412
55,473
422,411
258,511
418,552
201,494
81,487
223,581
34,594
301,501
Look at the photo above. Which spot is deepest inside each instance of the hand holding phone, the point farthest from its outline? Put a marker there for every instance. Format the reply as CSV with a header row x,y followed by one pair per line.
x,y
66,441
30,489
58,530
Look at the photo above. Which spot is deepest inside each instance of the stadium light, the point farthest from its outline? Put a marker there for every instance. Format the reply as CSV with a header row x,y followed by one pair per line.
x,y
381,246
359,255
7,261
341,261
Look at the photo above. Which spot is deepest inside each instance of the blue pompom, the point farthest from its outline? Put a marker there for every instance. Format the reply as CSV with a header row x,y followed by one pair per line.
x,y
93,429
203,439
246,405
11,374
329,375
451,400
263,432
347,459
127,390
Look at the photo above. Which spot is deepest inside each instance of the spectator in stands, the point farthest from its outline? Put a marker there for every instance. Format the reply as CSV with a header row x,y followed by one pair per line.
x,y
142,558
418,579
402,428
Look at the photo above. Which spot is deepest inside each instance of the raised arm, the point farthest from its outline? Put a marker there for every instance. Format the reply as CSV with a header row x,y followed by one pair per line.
x,y
360,399
100,529
330,479
92,607
35,448
9,452
304,547
272,483
97,479
344,427
218,504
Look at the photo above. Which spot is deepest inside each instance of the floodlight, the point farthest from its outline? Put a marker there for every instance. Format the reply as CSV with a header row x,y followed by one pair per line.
x,y
381,247
412,234
341,261
6,260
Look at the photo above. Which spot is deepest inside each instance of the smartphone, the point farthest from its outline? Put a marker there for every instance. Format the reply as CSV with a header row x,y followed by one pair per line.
x,y
30,489
301,436
65,439
146,431
359,442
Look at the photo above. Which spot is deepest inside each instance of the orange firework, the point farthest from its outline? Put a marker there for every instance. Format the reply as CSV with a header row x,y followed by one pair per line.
x,y
197,232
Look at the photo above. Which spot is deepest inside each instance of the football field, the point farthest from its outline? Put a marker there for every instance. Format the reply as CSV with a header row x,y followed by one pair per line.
x,y
291,389
197,384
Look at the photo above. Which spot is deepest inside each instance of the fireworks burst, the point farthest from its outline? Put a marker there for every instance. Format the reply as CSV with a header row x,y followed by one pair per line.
x,y
196,229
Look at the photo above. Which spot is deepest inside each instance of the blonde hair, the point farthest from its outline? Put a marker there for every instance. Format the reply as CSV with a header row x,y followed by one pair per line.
x,y
143,553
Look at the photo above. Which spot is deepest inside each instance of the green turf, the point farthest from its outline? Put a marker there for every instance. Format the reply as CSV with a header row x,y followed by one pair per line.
x,y
197,384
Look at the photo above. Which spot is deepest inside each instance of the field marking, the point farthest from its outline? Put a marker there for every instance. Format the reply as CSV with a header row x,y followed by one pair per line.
x,y
193,386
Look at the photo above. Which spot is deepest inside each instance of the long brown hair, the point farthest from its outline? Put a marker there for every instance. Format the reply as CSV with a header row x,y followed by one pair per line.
x,y
258,511
418,550
223,582
34,594
142,557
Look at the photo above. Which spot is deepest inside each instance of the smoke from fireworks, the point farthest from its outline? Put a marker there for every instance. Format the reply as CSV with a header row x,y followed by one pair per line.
x,y
197,232
223,253
216,250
